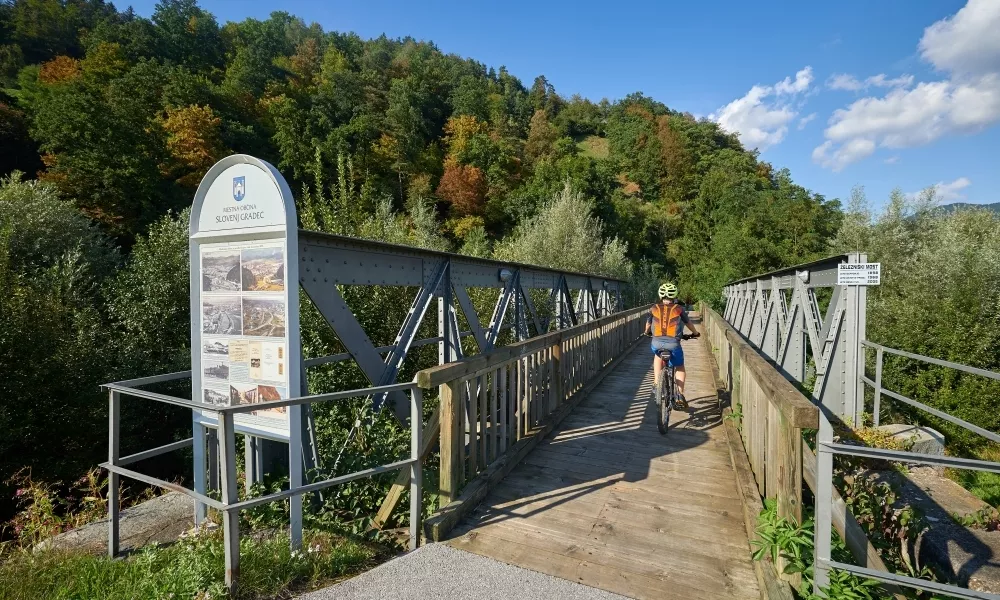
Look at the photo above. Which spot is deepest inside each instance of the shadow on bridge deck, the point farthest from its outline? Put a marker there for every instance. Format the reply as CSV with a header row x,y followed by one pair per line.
x,y
608,502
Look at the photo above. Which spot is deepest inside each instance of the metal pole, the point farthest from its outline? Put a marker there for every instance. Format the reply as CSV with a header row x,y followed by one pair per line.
x,y
200,473
824,505
878,386
295,476
230,518
114,413
213,459
416,469
252,459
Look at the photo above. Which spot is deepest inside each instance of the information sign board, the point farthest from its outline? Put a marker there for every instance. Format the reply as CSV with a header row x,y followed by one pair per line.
x,y
859,274
244,294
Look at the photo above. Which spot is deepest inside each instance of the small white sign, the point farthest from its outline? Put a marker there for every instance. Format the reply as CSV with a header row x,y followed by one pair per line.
x,y
859,274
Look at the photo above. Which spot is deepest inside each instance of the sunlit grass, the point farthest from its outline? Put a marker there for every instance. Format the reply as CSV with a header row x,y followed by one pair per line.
x,y
191,568
985,485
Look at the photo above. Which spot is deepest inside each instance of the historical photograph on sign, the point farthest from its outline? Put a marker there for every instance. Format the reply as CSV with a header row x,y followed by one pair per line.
x,y
220,271
216,348
216,371
221,315
263,269
242,393
217,397
270,393
264,316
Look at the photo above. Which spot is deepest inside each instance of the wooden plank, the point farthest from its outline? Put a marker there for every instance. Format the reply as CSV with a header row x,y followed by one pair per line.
x,y
504,401
772,460
452,442
484,418
684,573
625,536
494,415
646,469
428,440
580,571
618,494
789,480
627,453
472,409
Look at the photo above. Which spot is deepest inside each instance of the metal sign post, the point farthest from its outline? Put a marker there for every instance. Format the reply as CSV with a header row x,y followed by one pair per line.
x,y
245,313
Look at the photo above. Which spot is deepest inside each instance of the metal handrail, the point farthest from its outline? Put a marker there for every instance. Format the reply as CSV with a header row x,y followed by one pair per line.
x,y
933,361
229,505
827,448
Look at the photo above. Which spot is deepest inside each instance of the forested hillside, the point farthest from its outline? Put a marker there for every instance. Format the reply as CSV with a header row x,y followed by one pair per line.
x,y
124,115
109,120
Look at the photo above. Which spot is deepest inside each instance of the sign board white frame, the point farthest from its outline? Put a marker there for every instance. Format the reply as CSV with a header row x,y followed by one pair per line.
x,y
243,220
859,274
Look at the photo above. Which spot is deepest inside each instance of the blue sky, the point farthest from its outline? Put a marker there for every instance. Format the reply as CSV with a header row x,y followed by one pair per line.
x,y
904,93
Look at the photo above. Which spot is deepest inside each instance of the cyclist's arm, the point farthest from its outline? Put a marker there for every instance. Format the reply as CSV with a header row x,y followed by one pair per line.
x,y
687,323
649,324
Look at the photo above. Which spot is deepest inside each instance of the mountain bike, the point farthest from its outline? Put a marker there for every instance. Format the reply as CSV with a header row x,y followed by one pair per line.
x,y
666,392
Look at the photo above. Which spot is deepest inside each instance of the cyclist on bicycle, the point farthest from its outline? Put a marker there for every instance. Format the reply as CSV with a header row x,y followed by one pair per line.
x,y
665,322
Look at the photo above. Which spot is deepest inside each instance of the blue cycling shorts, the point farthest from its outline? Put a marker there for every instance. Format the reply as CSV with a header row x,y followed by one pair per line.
x,y
671,346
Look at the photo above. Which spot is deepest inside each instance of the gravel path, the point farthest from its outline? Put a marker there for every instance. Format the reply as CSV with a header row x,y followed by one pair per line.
x,y
439,571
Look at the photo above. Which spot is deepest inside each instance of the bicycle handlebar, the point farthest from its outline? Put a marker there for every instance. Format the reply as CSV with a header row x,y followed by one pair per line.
x,y
686,336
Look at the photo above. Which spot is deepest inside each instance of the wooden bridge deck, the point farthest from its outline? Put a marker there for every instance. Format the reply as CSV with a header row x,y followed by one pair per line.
x,y
608,502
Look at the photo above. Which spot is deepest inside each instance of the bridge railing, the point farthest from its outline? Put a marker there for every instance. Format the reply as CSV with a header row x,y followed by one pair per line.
x,y
772,332
230,505
769,413
496,406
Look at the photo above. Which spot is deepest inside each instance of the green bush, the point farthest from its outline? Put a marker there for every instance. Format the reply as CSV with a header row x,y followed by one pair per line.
x,y
940,297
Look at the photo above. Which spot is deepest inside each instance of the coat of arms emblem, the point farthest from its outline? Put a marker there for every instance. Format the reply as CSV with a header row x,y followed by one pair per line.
x,y
239,188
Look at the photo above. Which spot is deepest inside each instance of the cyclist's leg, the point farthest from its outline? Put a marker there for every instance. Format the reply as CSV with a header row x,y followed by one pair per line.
x,y
657,362
677,362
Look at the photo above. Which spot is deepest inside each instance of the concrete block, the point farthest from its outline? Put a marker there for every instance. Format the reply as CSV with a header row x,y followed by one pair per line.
x,y
924,439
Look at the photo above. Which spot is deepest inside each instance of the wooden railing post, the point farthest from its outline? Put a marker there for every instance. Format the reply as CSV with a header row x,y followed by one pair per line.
x,y
555,373
452,442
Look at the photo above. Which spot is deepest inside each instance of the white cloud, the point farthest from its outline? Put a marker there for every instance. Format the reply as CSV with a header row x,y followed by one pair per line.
x,y
947,192
892,160
843,81
806,120
761,117
802,80
967,43
967,48
843,155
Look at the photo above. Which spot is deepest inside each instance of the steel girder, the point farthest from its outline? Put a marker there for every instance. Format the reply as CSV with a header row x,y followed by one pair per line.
x,y
783,328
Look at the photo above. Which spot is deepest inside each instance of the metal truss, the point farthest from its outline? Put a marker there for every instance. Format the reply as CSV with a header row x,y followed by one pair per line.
x,y
328,261
780,314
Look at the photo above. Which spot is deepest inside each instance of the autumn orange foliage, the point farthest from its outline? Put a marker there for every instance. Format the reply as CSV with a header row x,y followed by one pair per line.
x,y
193,142
464,187
59,70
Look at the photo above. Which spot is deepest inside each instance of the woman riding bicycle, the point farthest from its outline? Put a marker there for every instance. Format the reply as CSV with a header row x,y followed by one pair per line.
x,y
666,322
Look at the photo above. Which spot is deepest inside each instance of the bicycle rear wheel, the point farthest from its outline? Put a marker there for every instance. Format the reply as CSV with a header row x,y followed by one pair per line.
x,y
663,391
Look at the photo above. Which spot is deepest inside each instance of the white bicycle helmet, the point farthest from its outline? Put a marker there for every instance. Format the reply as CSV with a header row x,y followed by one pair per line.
x,y
668,290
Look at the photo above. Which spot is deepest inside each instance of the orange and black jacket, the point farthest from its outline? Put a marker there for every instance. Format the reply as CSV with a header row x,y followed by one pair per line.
x,y
666,319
